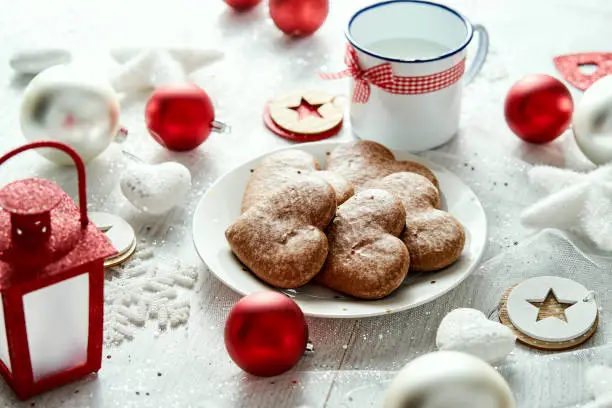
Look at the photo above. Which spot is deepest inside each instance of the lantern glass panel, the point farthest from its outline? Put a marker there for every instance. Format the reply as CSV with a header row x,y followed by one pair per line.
x,y
57,323
4,352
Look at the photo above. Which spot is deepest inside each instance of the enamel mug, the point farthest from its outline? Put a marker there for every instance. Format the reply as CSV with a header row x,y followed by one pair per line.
x,y
407,63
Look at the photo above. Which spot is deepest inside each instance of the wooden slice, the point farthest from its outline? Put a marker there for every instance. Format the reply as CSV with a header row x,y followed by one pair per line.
x,y
121,258
119,232
539,344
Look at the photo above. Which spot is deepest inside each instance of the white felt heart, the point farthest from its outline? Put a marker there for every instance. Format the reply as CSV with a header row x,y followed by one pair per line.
x,y
157,188
469,331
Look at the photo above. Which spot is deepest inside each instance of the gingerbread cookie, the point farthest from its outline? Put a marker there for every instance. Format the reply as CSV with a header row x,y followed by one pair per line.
x,y
343,188
434,238
280,237
282,168
366,259
364,161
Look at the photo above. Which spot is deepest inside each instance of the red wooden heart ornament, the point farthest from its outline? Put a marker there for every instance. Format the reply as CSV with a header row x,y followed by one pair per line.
x,y
569,67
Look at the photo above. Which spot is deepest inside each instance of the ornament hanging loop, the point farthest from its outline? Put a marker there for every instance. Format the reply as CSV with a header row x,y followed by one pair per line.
x,y
494,313
220,127
132,156
590,297
121,134
80,167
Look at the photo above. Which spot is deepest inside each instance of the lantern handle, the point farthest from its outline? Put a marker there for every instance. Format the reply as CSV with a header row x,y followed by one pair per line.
x,y
80,167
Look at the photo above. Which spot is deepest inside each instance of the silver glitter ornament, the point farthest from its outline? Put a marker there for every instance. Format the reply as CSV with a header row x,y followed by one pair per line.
x,y
73,105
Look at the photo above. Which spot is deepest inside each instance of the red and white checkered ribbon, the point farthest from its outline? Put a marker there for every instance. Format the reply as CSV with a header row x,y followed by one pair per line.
x,y
382,76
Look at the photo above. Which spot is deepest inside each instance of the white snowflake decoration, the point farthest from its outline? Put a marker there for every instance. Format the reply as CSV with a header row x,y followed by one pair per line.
x,y
146,289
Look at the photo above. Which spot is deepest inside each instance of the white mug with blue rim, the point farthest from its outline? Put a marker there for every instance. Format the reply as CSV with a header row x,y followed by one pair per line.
x,y
406,60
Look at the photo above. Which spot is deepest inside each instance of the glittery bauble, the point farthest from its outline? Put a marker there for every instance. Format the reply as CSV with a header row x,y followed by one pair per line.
x,y
446,379
299,18
266,333
180,117
242,4
72,105
538,108
592,122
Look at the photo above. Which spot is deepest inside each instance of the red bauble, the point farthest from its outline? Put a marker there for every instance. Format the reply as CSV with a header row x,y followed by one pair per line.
x,y
538,108
180,117
266,333
299,18
242,4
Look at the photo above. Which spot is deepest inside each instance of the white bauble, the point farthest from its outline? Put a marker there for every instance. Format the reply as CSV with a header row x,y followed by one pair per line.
x,y
592,122
445,379
73,105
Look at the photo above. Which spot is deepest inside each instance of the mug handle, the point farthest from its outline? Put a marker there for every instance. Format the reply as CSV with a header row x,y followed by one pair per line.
x,y
481,53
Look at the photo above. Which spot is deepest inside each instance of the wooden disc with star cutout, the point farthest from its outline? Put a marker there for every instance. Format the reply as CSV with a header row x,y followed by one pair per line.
x,y
550,312
304,115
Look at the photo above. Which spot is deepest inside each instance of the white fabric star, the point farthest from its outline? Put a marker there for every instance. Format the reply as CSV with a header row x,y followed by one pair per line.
x,y
599,379
577,202
149,68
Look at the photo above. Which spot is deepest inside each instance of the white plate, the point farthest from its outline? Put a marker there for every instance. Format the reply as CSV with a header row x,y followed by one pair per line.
x,y
220,206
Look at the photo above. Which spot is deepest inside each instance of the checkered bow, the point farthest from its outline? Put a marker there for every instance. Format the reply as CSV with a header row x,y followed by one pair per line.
x,y
382,76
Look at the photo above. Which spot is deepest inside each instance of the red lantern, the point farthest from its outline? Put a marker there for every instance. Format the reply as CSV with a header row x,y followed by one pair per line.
x,y
51,282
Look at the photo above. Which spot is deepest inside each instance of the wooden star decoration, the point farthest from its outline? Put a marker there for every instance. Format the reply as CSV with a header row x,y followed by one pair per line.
x,y
551,307
306,109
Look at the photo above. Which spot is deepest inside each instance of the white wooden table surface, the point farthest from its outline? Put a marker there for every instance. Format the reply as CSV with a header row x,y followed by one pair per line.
x,y
187,366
